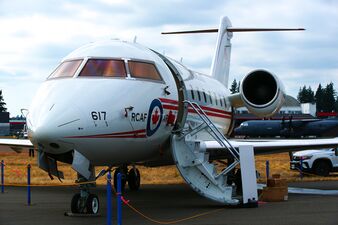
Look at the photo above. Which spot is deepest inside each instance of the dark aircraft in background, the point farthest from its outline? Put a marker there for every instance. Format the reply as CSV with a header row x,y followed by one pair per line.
x,y
288,128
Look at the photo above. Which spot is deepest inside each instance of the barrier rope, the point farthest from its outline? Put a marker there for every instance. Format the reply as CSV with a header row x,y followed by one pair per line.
x,y
127,202
168,222
133,208
19,173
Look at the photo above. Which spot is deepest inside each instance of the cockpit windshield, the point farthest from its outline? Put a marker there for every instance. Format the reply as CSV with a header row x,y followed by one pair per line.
x,y
66,69
104,68
143,70
107,67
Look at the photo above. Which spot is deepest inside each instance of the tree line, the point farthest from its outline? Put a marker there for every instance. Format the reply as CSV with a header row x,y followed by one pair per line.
x,y
326,98
2,103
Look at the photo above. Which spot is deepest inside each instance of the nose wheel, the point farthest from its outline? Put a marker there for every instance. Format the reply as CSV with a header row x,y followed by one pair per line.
x,y
93,204
86,204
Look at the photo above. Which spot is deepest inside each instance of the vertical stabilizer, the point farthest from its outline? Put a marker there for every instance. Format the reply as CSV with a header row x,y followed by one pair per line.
x,y
221,61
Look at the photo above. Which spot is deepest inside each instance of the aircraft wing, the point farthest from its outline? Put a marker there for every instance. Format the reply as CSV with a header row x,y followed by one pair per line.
x,y
270,146
15,144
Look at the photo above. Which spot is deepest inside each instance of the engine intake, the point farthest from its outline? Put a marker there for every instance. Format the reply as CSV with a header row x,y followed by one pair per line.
x,y
262,93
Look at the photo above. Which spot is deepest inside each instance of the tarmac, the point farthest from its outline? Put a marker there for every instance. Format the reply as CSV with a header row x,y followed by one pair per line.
x,y
167,203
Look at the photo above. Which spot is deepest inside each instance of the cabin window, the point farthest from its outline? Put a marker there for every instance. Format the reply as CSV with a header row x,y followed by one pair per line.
x,y
216,99
225,103
66,69
205,97
210,97
198,95
192,94
143,70
221,102
104,68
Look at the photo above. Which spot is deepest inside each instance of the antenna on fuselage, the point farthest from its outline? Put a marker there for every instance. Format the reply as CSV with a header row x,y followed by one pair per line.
x,y
221,60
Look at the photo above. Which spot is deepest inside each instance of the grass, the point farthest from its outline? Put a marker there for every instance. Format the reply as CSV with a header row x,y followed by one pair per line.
x,y
16,171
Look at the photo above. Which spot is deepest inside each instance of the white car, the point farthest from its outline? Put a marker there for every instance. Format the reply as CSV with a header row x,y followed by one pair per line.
x,y
320,162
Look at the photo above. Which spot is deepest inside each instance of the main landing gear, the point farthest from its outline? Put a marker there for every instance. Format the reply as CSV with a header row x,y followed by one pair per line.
x,y
132,176
88,203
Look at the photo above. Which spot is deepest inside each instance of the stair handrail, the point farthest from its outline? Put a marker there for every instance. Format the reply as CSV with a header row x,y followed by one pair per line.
x,y
219,137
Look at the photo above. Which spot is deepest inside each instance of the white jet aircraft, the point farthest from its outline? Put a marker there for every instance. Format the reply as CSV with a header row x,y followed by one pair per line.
x,y
118,104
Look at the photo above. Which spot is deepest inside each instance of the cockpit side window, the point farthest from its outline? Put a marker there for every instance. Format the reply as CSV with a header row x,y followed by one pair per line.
x,y
143,70
104,68
66,69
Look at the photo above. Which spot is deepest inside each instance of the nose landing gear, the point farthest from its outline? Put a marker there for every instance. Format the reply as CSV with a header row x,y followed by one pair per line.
x,y
87,203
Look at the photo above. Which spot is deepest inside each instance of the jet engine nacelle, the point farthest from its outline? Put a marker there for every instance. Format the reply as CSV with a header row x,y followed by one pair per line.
x,y
261,92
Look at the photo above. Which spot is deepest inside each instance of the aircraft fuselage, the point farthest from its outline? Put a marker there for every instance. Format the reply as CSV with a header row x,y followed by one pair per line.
x,y
119,117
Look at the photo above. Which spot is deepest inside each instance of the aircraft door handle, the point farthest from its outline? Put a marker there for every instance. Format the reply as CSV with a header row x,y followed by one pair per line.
x,y
130,108
165,89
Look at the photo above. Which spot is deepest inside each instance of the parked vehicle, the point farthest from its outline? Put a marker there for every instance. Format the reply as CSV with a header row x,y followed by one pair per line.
x,y
320,162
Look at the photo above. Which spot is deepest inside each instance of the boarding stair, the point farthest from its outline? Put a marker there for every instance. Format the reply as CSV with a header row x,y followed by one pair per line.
x,y
192,159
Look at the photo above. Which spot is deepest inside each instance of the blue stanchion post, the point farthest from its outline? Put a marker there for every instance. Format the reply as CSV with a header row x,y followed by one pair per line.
x,y
28,184
267,167
301,168
2,176
109,199
119,202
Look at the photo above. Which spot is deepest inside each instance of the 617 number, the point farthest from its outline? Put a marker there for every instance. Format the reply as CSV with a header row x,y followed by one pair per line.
x,y
98,115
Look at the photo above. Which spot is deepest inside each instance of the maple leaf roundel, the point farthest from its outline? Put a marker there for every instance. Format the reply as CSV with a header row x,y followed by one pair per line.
x,y
155,116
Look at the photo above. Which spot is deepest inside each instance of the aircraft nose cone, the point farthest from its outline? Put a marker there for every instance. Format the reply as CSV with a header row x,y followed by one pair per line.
x,y
47,127
238,131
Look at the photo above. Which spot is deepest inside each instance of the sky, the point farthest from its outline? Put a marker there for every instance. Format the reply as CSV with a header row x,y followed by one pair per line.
x,y
36,34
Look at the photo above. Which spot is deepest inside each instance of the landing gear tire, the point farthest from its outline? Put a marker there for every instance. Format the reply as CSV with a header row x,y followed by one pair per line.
x,y
93,204
76,204
322,168
89,205
134,179
123,180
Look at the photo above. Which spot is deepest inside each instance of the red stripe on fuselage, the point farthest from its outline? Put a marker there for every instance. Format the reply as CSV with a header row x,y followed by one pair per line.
x,y
171,107
212,114
131,134
167,100
212,110
118,136
190,110
215,110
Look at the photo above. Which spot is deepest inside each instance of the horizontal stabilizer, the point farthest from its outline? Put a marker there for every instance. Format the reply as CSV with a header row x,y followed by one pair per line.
x,y
232,29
